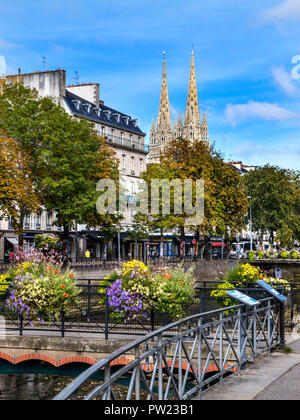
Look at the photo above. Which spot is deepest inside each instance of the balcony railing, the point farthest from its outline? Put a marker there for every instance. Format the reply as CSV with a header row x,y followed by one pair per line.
x,y
131,144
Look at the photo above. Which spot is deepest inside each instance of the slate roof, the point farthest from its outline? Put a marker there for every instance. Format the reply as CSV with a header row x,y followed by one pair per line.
x,y
88,110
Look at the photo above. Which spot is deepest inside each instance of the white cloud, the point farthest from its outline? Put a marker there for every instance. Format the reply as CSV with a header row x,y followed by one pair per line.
x,y
7,45
284,81
262,110
286,11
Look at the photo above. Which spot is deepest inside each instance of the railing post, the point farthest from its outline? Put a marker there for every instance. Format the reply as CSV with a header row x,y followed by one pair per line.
x,y
254,327
270,327
107,375
160,368
137,376
221,348
199,373
242,339
152,320
282,325
180,391
20,324
89,300
62,324
106,315
292,306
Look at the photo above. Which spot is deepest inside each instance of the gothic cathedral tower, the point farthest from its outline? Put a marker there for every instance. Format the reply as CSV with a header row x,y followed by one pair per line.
x,y
191,129
162,134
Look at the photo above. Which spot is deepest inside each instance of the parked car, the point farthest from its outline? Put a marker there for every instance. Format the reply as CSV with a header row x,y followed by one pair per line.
x,y
240,250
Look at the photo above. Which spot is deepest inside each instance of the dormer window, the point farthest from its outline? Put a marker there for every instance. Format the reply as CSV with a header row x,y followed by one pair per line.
x,y
97,111
107,113
126,119
135,122
77,103
117,117
87,107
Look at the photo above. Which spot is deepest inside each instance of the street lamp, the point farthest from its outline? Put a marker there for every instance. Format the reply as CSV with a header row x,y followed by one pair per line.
x,y
251,224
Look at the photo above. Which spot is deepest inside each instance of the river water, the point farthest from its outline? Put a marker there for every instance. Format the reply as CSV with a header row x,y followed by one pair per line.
x,y
31,387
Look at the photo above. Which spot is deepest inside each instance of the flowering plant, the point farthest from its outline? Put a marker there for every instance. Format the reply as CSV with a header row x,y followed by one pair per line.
x,y
35,294
136,291
277,282
127,304
241,276
53,257
4,284
174,291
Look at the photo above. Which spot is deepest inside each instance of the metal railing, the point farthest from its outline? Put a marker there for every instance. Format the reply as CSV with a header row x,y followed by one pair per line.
x,y
130,144
93,316
173,362
92,263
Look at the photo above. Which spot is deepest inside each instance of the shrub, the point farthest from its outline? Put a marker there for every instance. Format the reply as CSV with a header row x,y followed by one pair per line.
x,y
221,294
243,273
283,255
251,256
260,255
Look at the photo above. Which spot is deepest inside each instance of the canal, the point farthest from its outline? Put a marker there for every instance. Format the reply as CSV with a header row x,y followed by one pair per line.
x,y
30,387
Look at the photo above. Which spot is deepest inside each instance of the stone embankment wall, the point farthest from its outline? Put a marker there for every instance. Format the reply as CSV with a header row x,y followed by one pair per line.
x,y
204,271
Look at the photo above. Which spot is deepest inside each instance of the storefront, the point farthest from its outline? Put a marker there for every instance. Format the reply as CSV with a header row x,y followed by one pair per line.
x,y
10,247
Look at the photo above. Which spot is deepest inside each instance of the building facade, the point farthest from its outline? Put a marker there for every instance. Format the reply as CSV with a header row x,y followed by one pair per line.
x,y
192,128
122,133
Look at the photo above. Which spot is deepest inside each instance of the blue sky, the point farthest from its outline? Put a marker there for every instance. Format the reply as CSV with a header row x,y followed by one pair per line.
x,y
243,52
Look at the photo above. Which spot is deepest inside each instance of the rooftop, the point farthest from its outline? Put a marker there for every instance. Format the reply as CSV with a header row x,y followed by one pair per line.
x,y
102,114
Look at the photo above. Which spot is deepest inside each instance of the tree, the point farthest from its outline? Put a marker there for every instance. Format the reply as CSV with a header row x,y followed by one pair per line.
x,y
16,188
275,202
225,202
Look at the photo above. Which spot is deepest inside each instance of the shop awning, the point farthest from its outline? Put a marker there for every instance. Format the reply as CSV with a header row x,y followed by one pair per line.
x,y
13,241
94,235
216,244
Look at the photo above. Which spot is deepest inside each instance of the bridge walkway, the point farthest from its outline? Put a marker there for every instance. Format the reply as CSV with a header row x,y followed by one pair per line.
x,y
276,377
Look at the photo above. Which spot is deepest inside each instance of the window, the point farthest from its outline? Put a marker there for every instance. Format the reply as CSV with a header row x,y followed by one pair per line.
x,y
27,221
132,188
112,134
132,163
38,221
122,135
49,220
123,161
141,165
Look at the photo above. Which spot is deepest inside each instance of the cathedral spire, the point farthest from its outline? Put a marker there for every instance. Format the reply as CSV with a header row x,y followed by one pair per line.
x,y
164,115
192,108
204,124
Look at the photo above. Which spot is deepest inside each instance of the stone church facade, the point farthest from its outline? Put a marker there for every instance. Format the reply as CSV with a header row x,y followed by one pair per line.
x,y
192,128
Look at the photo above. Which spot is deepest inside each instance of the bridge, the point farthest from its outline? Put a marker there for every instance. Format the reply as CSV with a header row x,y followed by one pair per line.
x,y
168,360
173,362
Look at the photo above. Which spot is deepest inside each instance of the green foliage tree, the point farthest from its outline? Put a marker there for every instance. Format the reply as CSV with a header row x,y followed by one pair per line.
x,y
16,188
67,157
275,196
225,203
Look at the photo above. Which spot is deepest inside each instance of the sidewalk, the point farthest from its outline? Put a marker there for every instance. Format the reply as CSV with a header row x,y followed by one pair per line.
x,y
275,377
